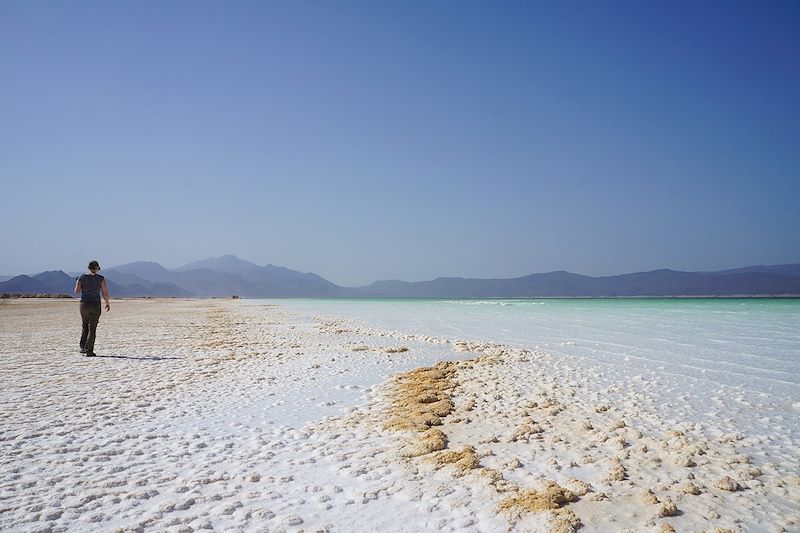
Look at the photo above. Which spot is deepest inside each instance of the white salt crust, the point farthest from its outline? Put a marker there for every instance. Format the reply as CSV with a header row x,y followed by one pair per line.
x,y
211,414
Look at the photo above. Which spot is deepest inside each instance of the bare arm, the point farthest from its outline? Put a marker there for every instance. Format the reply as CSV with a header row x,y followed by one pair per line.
x,y
77,286
104,288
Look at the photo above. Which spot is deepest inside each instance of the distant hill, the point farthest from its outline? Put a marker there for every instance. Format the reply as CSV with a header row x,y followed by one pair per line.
x,y
225,276
56,281
566,284
133,285
228,275
792,270
22,284
269,279
198,282
147,270
230,264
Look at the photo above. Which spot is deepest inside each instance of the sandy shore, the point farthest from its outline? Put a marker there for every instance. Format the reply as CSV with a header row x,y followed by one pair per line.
x,y
220,415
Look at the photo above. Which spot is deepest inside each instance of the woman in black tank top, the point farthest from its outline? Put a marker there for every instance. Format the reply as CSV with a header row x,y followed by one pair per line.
x,y
91,286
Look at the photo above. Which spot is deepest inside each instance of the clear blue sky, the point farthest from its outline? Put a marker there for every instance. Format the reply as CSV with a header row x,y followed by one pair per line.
x,y
373,140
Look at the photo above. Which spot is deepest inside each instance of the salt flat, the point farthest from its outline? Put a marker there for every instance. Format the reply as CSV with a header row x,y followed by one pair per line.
x,y
215,414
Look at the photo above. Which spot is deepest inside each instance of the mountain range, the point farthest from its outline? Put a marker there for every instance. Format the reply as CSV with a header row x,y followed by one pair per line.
x,y
228,275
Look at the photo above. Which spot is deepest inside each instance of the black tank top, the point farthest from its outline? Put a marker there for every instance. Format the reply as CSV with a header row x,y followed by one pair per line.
x,y
90,287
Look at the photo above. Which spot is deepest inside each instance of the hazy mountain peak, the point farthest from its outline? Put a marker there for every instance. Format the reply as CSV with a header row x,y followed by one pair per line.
x,y
51,275
139,265
228,263
792,269
147,270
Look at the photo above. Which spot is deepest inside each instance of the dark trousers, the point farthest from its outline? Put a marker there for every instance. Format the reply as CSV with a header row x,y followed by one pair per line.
x,y
90,315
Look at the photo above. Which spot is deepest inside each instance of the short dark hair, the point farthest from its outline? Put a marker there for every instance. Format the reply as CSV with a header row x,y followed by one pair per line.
x,y
94,265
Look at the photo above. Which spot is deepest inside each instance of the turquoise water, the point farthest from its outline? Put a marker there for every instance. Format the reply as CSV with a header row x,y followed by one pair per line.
x,y
751,347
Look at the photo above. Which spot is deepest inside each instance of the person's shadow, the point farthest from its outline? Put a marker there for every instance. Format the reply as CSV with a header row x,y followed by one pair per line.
x,y
153,358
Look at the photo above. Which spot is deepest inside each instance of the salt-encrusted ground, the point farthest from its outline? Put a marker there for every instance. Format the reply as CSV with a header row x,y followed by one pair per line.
x,y
217,415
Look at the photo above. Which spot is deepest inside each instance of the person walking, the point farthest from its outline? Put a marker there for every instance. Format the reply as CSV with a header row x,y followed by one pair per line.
x,y
91,285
